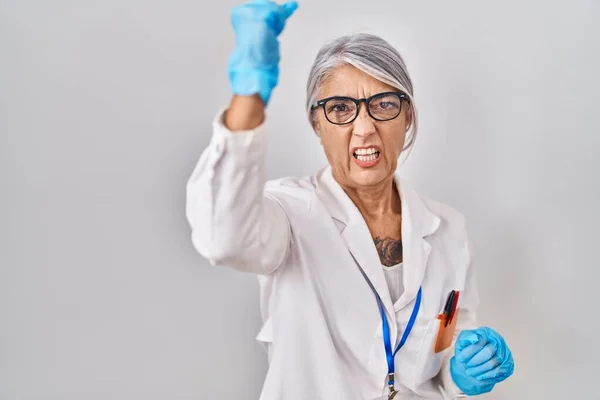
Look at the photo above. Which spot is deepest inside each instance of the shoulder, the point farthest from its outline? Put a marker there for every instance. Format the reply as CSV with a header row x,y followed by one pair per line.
x,y
294,194
291,184
452,232
446,212
452,220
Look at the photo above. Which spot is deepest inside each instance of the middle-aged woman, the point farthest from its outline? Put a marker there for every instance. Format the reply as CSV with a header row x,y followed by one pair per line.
x,y
367,287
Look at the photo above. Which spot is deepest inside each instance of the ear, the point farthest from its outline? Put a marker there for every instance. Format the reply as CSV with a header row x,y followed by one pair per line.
x,y
316,126
408,117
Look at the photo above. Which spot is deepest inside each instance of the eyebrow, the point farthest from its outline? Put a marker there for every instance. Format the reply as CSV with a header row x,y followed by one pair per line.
x,y
366,97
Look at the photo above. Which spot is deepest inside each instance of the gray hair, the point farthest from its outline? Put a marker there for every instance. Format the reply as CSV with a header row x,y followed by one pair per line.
x,y
369,54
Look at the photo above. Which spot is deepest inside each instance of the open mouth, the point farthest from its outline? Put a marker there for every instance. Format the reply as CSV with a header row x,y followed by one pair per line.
x,y
366,155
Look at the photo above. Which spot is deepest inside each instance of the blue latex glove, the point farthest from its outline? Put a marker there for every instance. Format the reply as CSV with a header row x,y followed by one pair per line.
x,y
254,64
481,359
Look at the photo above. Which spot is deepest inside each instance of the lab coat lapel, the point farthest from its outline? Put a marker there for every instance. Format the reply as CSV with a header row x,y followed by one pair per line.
x,y
355,233
418,222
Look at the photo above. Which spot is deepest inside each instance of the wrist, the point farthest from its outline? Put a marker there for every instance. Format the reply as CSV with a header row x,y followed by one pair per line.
x,y
247,82
244,113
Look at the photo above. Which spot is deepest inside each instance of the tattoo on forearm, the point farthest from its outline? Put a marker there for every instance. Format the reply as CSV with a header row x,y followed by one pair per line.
x,y
390,250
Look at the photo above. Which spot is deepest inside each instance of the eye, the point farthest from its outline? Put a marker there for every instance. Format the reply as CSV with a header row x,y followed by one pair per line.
x,y
338,107
340,110
386,104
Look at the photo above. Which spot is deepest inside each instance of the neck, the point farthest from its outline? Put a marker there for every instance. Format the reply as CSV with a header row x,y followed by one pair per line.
x,y
375,202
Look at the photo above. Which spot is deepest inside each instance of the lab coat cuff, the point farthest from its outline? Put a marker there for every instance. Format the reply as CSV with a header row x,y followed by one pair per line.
x,y
247,147
449,387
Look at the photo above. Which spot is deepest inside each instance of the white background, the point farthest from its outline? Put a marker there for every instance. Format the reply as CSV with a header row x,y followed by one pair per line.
x,y
105,107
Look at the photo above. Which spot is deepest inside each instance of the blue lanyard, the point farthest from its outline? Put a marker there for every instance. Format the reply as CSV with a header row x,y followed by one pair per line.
x,y
387,338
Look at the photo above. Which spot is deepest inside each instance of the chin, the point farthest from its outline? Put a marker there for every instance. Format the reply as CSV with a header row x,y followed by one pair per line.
x,y
368,177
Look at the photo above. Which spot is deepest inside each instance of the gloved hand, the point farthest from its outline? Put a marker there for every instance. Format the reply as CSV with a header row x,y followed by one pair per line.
x,y
254,64
481,359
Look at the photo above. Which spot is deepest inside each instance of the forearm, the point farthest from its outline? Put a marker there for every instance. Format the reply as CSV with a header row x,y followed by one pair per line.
x,y
233,222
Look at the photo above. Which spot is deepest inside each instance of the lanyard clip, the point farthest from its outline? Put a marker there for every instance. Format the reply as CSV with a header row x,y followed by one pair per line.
x,y
393,391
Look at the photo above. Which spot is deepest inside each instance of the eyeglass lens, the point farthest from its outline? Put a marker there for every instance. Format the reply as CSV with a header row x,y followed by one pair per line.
x,y
382,108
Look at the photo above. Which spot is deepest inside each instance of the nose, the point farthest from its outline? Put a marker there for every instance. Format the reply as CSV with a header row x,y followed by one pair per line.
x,y
363,125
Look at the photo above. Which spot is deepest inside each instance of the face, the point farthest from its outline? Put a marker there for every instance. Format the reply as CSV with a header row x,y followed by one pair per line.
x,y
349,148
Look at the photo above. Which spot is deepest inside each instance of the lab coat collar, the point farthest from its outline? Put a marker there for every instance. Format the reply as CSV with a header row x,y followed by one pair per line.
x,y
418,222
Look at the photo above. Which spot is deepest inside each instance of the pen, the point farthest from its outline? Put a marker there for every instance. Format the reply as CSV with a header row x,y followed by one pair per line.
x,y
448,307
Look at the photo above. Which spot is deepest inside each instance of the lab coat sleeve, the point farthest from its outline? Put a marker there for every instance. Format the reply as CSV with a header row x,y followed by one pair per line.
x,y
468,302
234,222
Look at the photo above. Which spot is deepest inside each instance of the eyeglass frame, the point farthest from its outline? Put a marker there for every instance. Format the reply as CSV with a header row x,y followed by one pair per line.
x,y
321,103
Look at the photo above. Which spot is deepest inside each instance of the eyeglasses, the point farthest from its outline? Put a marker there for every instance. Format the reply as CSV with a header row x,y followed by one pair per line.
x,y
341,110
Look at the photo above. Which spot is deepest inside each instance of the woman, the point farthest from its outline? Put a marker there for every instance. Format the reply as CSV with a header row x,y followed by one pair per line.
x,y
353,263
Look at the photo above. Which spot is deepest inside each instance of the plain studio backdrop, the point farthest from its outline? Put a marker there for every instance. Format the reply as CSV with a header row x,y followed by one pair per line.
x,y
105,107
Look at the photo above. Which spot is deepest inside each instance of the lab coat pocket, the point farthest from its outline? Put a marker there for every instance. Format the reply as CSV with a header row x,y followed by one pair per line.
x,y
429,363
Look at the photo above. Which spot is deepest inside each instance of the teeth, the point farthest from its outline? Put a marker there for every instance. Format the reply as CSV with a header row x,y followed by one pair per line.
x,y
365,152
371,157
366,155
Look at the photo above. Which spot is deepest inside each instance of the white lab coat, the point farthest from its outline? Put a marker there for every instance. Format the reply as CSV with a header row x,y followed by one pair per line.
x,y
306,241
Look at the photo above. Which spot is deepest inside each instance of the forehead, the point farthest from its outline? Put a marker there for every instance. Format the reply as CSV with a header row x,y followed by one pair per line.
x,y
347,80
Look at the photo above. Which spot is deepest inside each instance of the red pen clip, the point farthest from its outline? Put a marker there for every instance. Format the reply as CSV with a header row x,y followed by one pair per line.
x,y
454,306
